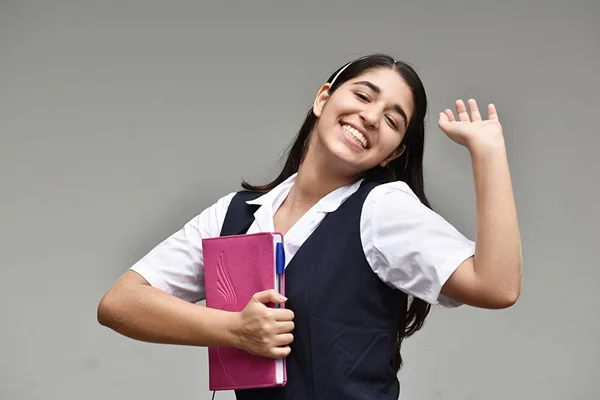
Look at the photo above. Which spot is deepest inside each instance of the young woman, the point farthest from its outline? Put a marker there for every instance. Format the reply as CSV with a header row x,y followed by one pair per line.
x,y
366,256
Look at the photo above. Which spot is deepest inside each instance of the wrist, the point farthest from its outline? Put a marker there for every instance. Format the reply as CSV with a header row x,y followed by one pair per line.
x,y
478,147
232,329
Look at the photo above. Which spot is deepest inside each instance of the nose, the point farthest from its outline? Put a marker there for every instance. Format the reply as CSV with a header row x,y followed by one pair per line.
x,y
370,116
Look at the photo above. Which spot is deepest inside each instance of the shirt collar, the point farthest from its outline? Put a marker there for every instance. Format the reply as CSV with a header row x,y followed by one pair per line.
x,y
275,197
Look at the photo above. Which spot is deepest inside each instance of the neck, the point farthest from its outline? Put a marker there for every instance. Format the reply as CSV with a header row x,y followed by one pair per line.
x,y
316,178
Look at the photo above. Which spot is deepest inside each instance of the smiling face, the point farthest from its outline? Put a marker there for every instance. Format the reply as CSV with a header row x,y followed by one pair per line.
x,y
363,122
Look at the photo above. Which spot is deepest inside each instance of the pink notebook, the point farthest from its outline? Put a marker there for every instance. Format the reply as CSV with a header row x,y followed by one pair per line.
x,y
236,267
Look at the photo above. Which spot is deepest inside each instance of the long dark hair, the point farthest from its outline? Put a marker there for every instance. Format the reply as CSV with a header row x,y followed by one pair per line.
x,y
408,167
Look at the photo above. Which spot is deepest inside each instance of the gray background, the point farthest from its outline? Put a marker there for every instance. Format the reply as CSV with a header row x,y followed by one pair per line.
x,y
121,120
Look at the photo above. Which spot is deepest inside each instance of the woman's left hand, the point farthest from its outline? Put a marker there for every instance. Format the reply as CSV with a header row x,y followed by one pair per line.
x,y
472,131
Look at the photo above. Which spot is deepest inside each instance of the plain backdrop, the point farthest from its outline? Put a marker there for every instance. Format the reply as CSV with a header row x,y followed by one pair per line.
x,y
122,120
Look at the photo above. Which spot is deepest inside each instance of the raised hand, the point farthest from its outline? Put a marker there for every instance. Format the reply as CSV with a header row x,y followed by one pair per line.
x,y
472,131
262,330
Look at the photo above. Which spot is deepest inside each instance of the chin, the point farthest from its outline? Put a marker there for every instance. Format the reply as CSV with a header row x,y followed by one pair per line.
x,y
347,160
345,152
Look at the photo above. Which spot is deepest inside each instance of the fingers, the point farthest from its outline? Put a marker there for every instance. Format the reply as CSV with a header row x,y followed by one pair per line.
x,y
284,327
461,110
283,340
463,114
492,113
281,352
443,121
282,347
449,114
283,314
475,115
269,296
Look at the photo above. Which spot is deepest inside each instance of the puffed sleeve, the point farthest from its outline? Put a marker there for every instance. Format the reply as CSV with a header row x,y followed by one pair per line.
x,y
176,265
409,246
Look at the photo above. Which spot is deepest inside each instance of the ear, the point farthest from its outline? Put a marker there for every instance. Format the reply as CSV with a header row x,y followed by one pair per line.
x,y
395,154
321,99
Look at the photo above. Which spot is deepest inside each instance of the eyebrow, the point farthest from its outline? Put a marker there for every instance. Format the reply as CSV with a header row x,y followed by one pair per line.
x,y
377,90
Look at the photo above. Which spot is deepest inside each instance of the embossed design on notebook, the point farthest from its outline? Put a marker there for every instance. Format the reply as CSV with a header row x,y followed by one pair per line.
x,y
225,288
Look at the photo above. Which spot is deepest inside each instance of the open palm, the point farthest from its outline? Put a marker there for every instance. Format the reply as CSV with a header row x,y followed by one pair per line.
x,y
466,130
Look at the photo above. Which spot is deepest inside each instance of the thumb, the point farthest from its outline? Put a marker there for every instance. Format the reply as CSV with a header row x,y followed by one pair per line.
x,y
443,120
269,296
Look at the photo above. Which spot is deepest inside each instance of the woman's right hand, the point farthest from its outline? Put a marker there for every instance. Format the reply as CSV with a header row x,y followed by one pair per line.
x,y
263,330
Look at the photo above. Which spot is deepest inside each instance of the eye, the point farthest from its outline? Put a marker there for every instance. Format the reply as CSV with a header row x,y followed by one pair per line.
x,y
361,96
392,122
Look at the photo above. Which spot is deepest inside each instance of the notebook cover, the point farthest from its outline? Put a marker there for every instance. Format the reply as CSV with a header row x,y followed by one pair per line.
x,y
236,267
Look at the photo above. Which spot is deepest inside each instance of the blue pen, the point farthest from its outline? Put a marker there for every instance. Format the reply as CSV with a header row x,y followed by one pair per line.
x,y
279,267
280,259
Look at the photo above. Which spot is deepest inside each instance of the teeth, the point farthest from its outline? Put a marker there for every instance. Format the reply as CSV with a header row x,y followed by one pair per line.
x,y
359,136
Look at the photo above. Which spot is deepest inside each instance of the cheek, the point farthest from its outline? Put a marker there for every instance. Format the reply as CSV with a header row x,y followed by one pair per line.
x,y
339,107
329,121
389,142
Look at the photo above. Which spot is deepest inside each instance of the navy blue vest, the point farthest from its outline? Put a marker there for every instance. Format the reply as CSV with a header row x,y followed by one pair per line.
x,y
345,316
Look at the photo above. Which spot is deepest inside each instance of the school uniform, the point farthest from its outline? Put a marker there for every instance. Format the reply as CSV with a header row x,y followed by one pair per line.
x,y
351,262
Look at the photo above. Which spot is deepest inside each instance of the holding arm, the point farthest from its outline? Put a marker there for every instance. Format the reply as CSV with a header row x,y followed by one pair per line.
x,y
154,300
492,278
137,310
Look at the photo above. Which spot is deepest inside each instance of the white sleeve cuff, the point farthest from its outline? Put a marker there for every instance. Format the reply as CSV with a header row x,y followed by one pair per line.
x,y
154,277
434,295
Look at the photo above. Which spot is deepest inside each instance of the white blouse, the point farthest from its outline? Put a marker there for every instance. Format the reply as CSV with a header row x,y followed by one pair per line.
x,y
408,246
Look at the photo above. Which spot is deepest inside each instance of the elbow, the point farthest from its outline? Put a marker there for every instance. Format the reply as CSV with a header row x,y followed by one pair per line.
x,y
507,300
107,310
513,292
114,304
505,291
507,297
104,311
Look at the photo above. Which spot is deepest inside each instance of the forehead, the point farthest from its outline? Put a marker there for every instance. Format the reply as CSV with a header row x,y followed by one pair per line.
x,y
394,89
